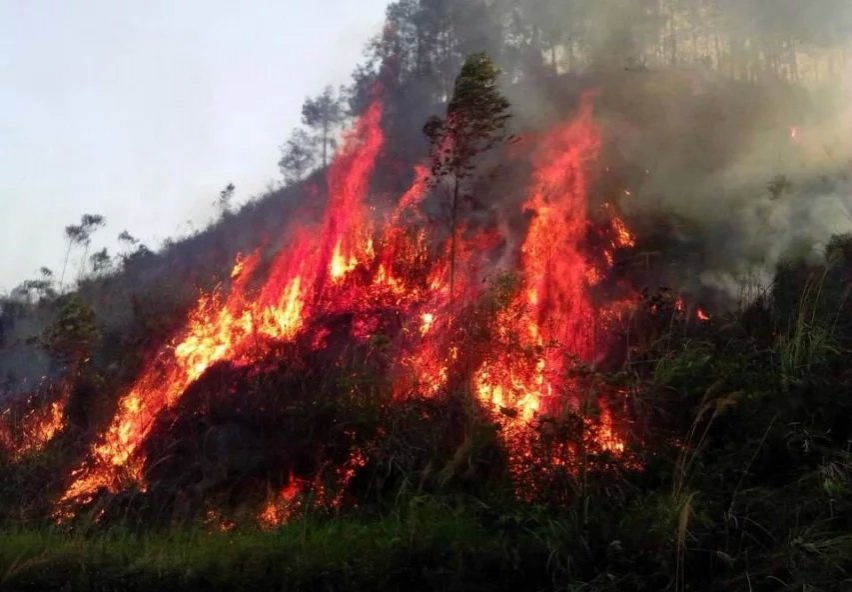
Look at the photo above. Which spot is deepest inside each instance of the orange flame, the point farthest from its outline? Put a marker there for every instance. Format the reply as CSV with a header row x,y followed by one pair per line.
x,y
554,298
28,427
281,507
228,331
349,265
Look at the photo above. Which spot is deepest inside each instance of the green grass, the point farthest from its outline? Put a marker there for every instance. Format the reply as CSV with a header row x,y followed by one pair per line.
x,y
742,480
430,547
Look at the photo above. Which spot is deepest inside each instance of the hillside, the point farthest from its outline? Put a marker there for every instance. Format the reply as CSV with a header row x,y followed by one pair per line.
x,y
568,314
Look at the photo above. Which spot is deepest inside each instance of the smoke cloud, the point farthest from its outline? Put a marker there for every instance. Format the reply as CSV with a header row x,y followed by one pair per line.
x,y
732,118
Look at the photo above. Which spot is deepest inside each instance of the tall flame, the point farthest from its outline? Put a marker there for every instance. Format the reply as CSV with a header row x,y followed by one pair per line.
x,y
358,265
554,294
229,331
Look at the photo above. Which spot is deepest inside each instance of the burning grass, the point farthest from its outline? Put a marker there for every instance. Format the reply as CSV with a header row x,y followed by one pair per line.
x,y
742,475
360,283
337,414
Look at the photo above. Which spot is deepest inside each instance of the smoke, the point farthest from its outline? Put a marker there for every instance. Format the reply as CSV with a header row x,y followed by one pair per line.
x,y
766,231
754,173
711,119
24,365
763,184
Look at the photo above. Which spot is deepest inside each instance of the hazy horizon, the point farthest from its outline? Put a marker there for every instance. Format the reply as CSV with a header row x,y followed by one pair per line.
x,y
143,112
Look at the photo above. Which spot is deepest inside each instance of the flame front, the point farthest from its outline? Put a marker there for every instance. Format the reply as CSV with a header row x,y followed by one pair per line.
x,y
234,330
553,298
357,264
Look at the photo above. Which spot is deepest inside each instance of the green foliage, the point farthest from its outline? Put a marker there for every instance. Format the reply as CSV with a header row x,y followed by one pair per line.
x,y
81,234
136,250
323,114
422,545
297,156
475,122
101,261
75,334
741,472
44,287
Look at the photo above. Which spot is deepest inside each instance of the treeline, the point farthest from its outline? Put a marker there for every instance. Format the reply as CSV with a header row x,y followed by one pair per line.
x,y
424,42
744,39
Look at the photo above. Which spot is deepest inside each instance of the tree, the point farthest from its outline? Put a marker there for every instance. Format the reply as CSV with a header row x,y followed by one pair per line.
x,y
128,239
72,338
223,202
101,261
81,235
89,224
323,114
475,123
297,156
136,250
135,247
43,287
74,235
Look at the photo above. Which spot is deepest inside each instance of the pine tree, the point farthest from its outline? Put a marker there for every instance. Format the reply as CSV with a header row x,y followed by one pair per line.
x,y
297,157
323,114
475,123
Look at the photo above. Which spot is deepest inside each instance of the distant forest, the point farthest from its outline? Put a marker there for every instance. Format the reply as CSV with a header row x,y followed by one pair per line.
x,y
423,43
743,39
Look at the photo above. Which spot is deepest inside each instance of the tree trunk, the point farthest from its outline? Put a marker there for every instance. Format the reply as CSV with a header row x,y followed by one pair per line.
x,y
83,262
65,265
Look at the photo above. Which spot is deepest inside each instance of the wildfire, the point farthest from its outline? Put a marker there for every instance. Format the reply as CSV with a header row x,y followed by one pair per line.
x,y
228,331
515,391
353,266
215,521
624,237
608,438
39,428
285,320
554,297
27,428
428,320
280,507
340,265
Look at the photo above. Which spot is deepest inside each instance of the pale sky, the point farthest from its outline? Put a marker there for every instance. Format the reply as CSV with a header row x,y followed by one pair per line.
x,y
143,110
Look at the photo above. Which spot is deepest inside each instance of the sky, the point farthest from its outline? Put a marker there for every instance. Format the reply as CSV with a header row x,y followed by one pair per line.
x,y
142,111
